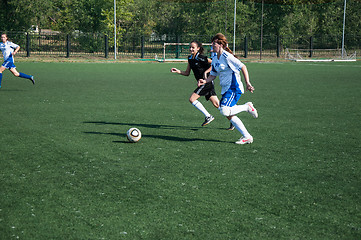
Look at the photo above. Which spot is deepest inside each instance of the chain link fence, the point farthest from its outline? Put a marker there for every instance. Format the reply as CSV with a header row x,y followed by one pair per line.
x,y
95,45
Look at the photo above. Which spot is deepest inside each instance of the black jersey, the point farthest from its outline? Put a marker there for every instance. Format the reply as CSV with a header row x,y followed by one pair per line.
x,y
199,64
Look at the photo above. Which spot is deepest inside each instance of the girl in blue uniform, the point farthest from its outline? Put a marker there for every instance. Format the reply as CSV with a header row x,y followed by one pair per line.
x,y
228,68
201,66
8,50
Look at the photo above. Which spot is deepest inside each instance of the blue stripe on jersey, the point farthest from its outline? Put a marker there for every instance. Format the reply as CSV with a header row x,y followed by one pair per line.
x,y
196,57
9,62
227,99
234,83
224,55
213,69
230,100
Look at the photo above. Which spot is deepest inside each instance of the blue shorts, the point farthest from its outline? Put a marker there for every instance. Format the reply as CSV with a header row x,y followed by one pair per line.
x,y
9,63
230,98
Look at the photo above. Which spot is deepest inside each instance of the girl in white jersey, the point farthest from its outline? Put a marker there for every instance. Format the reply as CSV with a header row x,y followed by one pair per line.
x,y
9,49
228,68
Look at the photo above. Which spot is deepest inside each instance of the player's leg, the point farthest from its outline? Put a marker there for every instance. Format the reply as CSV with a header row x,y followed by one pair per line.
x,y
228,102
214,100
247,107
231,127
238,124
22,75
197,104
2,69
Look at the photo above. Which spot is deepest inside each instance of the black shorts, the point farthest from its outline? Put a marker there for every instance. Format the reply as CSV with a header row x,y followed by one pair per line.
x,y
206,90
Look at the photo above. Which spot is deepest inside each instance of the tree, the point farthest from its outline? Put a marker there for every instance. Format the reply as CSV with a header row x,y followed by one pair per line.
x,y
20,15
123,15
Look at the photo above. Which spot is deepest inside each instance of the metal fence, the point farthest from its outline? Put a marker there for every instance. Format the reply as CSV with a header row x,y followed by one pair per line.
x,y
148,47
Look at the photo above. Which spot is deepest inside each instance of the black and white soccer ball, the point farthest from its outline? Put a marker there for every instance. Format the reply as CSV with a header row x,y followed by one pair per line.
x,y
134,135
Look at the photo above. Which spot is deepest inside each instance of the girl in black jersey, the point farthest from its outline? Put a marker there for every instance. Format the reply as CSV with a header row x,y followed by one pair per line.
x,y
201,66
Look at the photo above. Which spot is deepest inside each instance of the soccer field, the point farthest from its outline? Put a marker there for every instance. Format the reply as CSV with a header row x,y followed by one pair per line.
x,y
67,170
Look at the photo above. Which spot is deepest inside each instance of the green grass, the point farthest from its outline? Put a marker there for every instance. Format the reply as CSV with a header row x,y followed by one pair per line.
x,y
68,172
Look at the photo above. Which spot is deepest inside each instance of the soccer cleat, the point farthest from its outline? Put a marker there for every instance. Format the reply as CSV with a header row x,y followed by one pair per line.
x,y
252,110
207,120
244,140
32,79
231,127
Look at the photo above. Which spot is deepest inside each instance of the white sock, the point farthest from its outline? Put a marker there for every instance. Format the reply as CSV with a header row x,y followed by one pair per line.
x,y
201,108
240,126
239,108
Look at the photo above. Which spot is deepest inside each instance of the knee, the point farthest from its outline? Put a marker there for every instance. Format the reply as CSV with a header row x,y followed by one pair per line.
x,y
225,111
14,72
192,99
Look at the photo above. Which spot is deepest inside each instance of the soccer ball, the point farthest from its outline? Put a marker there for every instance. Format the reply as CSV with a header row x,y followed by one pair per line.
x,y
134,135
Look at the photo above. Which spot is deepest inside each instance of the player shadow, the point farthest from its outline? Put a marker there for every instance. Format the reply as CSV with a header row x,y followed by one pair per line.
x,y
12,90
146,125
164,137
158,126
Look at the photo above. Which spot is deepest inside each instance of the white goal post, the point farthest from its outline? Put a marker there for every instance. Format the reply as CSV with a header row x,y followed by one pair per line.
x,y
318,55
167,50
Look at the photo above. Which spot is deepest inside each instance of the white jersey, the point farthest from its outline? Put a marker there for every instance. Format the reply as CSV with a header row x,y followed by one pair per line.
x,y
213,54
7,49
228,68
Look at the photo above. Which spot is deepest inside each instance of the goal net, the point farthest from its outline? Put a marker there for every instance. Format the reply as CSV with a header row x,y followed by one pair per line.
x,y
319,55
180,51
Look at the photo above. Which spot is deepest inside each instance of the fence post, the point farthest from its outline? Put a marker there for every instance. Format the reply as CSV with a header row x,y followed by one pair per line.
x,y
142,47
27,45
67,45
177,47
106,50
245,47
311,46
278,46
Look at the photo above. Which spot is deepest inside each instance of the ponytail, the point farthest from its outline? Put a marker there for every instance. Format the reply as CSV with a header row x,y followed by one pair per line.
x,y
229,50
222,40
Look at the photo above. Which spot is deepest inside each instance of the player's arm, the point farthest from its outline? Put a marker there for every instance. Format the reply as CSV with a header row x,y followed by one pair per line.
x,y
184,73
16,50
249,86
213,74
237,66
210,78
208,70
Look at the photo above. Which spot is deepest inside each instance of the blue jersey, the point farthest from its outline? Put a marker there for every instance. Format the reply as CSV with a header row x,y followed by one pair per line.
x,y
228,68
7,49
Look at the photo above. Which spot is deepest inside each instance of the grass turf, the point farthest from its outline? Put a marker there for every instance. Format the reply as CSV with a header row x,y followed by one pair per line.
x,y
68,172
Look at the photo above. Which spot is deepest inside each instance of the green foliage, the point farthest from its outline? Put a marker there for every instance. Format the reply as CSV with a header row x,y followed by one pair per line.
x,y
64,15
19,15
183,17
123,15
